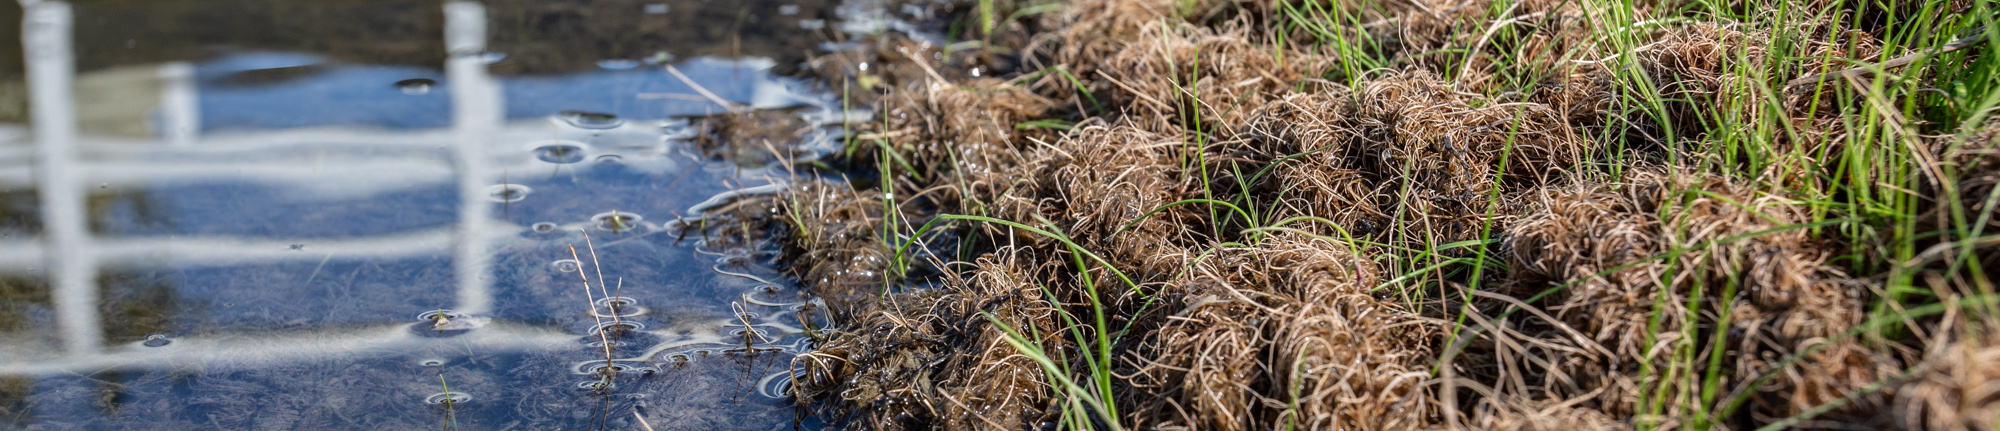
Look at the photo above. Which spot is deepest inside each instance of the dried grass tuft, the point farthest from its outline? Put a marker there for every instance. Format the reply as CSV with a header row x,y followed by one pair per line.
x,y
1234,330
1544,416
837,247
1713,75
1408,156
930,359
966,129
1286,335
1095,181
1977,165
1961,391
1723,232
748,138
1178,79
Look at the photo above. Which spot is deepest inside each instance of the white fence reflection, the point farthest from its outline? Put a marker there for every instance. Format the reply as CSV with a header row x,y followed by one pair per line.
x,y
71,256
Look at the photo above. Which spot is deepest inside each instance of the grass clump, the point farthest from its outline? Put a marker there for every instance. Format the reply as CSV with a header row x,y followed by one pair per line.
x,y
1494,214
1293,318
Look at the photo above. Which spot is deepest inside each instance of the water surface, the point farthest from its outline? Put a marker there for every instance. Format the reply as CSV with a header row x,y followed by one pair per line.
x,y
360,215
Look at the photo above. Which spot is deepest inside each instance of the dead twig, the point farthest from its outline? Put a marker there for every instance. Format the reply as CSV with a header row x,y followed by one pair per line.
x,y
927,67
886,135
1892,63
642,420
1942,250
732,106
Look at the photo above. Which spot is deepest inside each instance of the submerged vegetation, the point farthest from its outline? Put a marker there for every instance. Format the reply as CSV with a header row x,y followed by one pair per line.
x,y
1494,214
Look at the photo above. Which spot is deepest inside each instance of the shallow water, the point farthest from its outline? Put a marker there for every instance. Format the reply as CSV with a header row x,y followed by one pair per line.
x,y
265,206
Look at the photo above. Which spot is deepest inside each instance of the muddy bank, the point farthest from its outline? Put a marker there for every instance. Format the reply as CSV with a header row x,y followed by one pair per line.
x,y
1497,215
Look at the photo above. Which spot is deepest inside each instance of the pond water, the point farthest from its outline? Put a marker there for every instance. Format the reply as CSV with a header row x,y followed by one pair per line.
x,y
361,214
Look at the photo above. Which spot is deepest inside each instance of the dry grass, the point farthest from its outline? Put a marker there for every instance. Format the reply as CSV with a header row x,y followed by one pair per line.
x,y
1539,215
1605,239
929,359
1407,158
1961,392
1285,334
748,138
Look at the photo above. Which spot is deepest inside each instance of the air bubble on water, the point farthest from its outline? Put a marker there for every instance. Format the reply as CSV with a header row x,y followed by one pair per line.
x,y
415,86
434,315
156,340
559,152
565,265
445,323
590,120
616,221
601,343
610,159
507,192
454,397
616,301
617,327
598,367
625,307
431,362
677,360
641,368
543,227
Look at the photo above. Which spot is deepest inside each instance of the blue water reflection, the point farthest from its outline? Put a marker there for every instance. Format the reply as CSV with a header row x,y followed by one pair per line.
x,y
279,90
325,242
